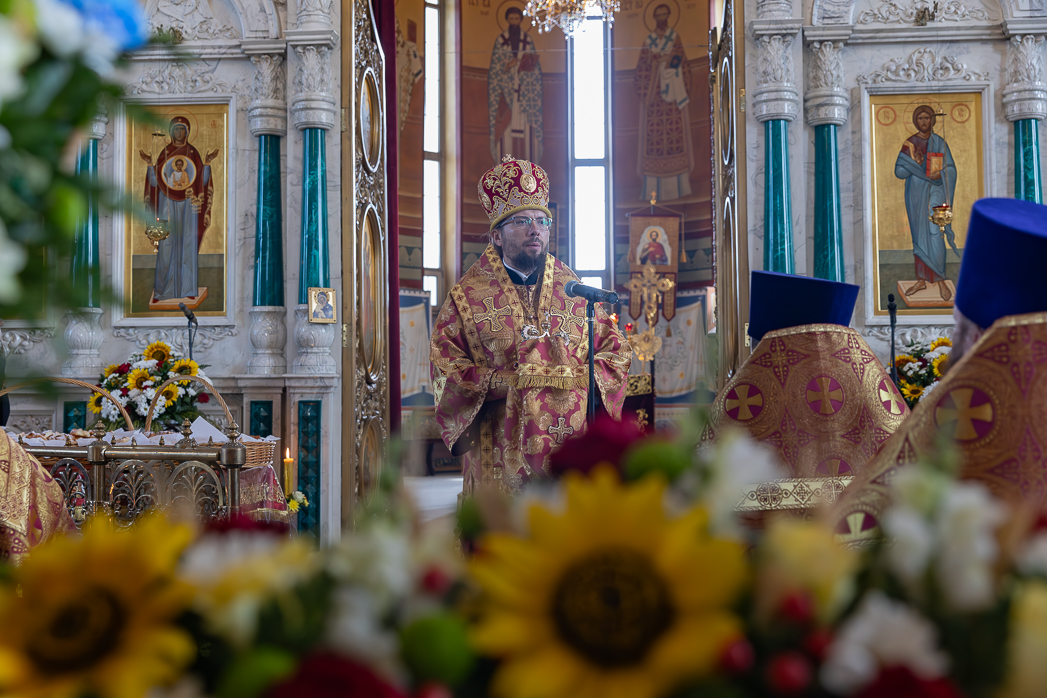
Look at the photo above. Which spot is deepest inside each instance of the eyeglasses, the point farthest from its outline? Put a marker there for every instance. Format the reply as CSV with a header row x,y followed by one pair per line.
x,y
524,222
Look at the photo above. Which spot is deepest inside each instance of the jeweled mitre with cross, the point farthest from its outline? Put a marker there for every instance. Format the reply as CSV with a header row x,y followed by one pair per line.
x,y
991,404
819,397
514,359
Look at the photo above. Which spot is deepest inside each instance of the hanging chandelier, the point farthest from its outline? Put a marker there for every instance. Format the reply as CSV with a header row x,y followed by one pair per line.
x,y
568,14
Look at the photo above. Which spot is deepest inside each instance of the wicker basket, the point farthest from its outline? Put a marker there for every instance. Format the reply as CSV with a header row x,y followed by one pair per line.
x,y
261,453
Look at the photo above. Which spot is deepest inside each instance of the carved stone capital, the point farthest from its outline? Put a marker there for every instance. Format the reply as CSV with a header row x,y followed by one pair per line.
x,y
314,344
1025,96
83,337
774,9
96,127
825,100
267,112
314,14
268,339
776,95
313,104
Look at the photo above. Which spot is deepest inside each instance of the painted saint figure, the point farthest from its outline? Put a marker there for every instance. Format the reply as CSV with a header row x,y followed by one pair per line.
x,y
666,156
929,171
514,93
653,251
181,195
323,310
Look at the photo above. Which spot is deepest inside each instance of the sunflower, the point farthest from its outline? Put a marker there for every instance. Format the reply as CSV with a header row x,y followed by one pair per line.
x,y
941,342
940,365
159,351
911,391
185,367
95,402
903,360
170,394
610,598
96,615
138,378
110,370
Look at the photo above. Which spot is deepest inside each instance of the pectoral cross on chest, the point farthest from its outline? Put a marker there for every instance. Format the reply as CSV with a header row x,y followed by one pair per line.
x,y
492,315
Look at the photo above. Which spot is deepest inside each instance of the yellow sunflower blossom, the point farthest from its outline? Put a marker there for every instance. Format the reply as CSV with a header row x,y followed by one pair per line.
x,y
940,365
185,367
653,620
170,394
138,378
94,403
96,615
292,505
912,392
160,351
109,370
941,342
904,359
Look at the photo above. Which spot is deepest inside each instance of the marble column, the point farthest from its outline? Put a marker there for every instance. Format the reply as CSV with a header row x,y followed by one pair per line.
x,y
1025,105
83,331
775,104
313,111
267,117
825,104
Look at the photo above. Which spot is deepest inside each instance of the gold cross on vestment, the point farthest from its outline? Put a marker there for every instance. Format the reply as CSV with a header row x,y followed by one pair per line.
x,y
568,320
744,402
824,395
889,395
559,430
493,316
963,414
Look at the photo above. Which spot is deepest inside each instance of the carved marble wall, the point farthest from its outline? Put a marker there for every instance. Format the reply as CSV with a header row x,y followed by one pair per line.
x,y
254,56
844,45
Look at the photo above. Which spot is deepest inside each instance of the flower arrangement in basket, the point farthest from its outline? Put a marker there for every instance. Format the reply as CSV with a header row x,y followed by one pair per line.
x,y
921,368
625,573
133,384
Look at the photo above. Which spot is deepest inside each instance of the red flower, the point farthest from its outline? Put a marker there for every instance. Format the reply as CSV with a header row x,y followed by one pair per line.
x,y
901,682
203,398
123,368
605,442
124,391
326,675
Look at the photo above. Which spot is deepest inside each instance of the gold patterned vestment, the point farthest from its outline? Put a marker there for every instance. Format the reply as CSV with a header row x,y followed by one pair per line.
x,y
820,398
32,507
515,357
992,404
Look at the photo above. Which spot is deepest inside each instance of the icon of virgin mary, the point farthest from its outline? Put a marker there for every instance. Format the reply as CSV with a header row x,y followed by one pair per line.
x,y
179,188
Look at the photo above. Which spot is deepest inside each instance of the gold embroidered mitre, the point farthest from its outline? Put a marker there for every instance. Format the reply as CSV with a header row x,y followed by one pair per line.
x,y
819,397
511,186
991,404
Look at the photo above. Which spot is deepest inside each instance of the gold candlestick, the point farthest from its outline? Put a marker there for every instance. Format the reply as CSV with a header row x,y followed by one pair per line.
x,y
288,462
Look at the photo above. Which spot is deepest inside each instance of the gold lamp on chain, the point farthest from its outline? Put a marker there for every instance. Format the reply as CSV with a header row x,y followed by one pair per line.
x,y
941,215
160,229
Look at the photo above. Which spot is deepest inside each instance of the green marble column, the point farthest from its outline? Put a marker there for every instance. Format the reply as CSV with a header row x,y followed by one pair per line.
x,y
777,206
315,269
828,224
1027,184
268,238
85,269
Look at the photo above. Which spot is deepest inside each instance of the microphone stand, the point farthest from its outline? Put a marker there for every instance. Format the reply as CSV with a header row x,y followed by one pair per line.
x,y
590,318
892,309
189,331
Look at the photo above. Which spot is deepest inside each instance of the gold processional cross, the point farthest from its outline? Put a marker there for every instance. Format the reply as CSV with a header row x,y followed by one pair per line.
x,y
651,286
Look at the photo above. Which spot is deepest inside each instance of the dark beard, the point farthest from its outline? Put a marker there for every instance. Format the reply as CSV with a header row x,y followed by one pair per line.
x,y
522,261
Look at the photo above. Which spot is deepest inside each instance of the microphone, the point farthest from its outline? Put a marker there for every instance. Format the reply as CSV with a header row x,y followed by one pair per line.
x,y
590,293
188,313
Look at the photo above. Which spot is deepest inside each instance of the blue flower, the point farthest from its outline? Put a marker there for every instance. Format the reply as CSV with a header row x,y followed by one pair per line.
x,y
122,21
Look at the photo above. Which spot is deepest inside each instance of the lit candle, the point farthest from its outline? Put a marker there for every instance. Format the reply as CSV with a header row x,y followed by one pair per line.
x,y
288,462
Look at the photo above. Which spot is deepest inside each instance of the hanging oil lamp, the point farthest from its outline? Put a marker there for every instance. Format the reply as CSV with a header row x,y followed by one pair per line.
x,y
941,215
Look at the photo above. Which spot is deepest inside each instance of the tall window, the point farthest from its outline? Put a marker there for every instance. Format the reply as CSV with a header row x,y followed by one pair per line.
x,y
432,210
590,153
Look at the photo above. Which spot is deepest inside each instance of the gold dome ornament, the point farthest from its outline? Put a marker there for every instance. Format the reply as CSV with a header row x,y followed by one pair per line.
x,y
941,216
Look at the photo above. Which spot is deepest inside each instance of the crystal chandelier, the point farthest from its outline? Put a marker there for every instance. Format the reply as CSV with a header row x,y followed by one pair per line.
x,y
567,14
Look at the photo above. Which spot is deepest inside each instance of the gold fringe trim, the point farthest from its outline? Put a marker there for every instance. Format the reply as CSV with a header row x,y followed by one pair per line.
x,y
560,382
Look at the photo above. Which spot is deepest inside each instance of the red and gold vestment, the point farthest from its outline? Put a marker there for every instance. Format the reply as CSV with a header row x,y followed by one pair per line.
x,y
818,396
32,506
515,358
991,404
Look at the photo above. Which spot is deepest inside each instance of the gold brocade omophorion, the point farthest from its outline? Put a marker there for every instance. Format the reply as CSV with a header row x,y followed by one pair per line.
x,y
992,404
816,394
515,359
32,507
